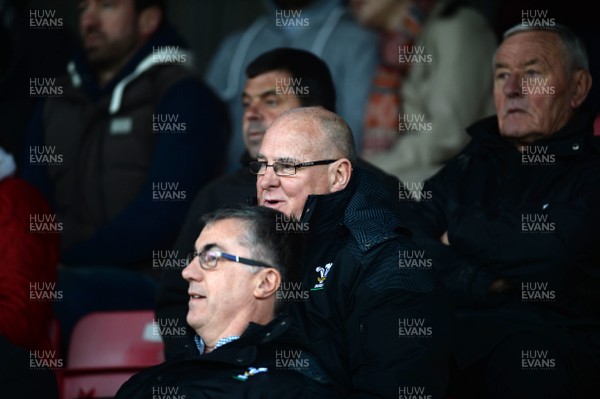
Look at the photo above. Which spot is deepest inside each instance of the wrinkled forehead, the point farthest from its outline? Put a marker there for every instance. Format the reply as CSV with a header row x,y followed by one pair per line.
x,y
292,138
523,47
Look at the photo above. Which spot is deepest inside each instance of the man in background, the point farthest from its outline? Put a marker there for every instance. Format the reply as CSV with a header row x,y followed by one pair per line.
x,y
111,148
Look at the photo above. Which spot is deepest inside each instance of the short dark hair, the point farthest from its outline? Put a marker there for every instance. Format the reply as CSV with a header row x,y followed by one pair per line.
x,y
281,249
299,64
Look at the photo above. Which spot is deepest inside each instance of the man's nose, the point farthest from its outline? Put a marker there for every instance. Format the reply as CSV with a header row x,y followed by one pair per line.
x,y
89,16
513,85
269,179
253,111
193,271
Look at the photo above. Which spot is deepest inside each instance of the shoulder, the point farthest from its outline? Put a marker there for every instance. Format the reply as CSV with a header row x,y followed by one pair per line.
x,y
169,77
397,263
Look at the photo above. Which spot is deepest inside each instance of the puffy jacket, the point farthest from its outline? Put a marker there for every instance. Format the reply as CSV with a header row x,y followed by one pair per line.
x,y
116,149
376,325
260,364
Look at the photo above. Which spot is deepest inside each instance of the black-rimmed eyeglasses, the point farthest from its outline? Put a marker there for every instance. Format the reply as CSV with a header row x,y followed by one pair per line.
x,y
284,168
208,259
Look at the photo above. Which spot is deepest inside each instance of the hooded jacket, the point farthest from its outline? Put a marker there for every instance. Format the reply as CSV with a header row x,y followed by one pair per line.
x,y
126,152
377,324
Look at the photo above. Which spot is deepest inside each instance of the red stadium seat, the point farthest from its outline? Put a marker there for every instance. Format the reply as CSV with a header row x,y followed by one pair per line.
x,y
106,349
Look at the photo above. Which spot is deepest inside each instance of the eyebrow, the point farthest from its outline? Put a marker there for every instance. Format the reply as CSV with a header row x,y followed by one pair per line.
x,y
270,92
280,159
534,61
207,247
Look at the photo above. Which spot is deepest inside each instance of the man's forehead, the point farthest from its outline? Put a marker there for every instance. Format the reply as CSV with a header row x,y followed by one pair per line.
x,y
266,79
214,232
291,137
538,43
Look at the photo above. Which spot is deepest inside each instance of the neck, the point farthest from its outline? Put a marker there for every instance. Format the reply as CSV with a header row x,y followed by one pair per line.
x,y
106,73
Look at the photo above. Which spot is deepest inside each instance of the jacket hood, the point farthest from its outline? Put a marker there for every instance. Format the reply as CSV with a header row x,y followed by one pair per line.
x,y
82,75
573,138
363,208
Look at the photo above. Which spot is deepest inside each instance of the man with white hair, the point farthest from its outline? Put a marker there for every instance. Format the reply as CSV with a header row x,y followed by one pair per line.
x,y
378,323
514,217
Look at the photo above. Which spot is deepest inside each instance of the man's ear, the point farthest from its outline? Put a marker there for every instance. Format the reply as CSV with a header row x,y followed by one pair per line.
x,y
339,174
269,280
149,21
581,82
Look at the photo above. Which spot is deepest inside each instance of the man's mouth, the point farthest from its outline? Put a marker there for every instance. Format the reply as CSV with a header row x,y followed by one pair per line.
x,y
194,295
271,202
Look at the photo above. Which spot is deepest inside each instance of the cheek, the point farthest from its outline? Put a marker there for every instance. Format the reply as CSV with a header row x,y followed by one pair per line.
x,y
269,117
539,107
291,188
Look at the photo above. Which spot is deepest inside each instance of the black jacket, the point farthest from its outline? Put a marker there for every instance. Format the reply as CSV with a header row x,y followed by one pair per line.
x,y
532,218
235,188
376,325
290,371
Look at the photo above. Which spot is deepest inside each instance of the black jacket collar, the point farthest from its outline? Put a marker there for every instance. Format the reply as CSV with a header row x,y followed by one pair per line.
x,y
574,138
362,208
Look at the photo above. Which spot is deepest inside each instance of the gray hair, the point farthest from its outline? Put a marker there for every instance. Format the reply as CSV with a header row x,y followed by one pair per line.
x,y
284,251
574,49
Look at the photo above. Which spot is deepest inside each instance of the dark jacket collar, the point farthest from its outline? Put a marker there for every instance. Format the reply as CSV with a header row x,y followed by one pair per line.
x,y
363,208
572,139
244,350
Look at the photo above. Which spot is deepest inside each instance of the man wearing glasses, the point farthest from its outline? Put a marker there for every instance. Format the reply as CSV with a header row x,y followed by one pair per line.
x,y
266,95
234,273
378,322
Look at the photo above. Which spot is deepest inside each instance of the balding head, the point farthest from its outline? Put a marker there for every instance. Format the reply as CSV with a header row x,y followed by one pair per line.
x,y
331,134
305,135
